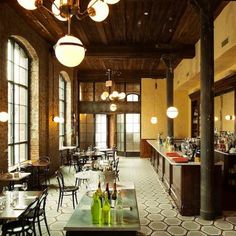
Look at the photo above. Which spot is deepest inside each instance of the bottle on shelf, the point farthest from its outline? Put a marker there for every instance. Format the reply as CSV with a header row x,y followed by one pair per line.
x,y
99,192
119,209
108,192
106,210
96,209
113,196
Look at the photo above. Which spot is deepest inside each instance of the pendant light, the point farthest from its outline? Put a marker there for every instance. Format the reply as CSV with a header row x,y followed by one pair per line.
x,y
172,112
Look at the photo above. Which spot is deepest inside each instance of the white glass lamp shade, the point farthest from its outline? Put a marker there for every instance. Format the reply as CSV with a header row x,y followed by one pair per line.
x,y
111,97
101,10
56,119
172,112
27,4
111,1
56,11
216,118
69,51
153,119
121,95
104,95
113,107
115,94
4,116
229,117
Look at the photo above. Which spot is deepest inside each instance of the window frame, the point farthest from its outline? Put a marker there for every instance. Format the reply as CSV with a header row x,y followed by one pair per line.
x,y
63,100
11,103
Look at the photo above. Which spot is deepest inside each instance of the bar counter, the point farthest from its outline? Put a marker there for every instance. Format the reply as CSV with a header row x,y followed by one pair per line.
x,y
182,180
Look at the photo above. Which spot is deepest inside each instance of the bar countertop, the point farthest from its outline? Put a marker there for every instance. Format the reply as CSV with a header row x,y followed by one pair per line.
x,y
162,150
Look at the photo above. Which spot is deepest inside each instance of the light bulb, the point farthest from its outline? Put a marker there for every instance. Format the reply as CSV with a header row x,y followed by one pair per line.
x,y
154,120
4,116
103,97
216,118
111,1
172,112
56,11
100,10
121,95
69,51
115,94
28,4
105,94
56,119
111,97
113,107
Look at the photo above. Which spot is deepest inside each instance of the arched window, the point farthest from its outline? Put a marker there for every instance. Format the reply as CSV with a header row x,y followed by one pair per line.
x,y
62,110
18,103
132,97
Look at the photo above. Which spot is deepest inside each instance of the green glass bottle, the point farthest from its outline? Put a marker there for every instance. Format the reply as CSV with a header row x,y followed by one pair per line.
x,y
96,209
106,211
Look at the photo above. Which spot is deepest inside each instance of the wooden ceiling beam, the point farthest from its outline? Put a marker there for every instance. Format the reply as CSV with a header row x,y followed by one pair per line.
x,y
120,75
140,51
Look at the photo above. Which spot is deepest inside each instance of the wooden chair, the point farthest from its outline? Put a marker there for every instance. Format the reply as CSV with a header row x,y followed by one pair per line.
x,y
65,190
24,225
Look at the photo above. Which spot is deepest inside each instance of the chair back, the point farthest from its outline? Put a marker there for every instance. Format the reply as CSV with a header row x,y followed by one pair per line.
x,y
60,179
42,200
30,212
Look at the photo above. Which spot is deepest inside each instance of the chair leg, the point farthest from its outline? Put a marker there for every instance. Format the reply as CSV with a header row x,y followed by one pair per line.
x,y
59,200
73,199
62,198
76,199
39,226
46,223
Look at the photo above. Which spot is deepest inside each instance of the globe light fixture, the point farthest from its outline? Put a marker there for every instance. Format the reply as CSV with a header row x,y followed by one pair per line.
x,y
230,117
113,107
28,4
58,119
154,120
99,10
4,116
69,50
111,1
172,112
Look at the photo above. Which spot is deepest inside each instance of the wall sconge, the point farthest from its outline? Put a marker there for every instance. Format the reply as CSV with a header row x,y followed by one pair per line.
x,y
230,117
172,112
58,119
216,118
4,116
154,120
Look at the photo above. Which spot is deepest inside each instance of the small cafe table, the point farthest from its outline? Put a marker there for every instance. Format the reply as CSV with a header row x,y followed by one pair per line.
x,y
24,198
80,223
13,177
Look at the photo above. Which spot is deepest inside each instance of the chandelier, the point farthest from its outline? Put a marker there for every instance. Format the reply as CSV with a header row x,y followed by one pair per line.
x,y
69,50
115,95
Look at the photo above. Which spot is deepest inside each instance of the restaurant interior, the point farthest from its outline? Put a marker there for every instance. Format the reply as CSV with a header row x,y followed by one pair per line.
x,y
117,116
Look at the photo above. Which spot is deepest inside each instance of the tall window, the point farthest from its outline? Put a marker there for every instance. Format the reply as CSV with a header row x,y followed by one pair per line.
x,y
18,103
101,130
62,110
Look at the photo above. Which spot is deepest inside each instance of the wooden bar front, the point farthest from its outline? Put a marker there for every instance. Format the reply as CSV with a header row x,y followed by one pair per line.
x,y
182,181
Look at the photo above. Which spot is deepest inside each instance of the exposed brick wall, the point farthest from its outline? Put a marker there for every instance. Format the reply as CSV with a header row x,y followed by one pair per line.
x,y
44,132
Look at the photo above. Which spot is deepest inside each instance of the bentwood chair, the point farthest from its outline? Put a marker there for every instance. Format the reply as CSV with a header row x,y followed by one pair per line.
x,y
65,190
24,225
41,212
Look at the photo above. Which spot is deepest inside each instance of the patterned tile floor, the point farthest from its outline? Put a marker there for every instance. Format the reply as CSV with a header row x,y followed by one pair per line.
x,y
157,215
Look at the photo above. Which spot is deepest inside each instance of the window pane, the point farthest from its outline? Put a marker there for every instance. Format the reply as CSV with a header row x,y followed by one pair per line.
x,y
62,109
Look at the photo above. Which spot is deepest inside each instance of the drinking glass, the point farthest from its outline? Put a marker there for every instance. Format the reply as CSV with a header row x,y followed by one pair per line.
x,y
24,186
2,203
4,190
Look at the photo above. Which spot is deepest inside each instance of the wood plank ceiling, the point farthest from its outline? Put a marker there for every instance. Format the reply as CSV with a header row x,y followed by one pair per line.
x,y
132,40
